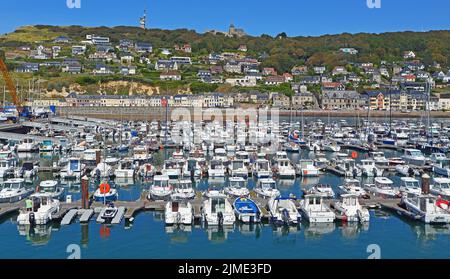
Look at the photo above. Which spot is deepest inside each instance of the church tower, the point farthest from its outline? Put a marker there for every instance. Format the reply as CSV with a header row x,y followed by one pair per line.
x,y
143,20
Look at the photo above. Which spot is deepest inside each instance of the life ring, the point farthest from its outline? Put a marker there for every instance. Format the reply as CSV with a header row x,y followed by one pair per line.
x,y
104,188
354,155
149,167
305,172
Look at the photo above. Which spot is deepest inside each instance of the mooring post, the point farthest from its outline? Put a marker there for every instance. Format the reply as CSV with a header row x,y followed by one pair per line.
x,y
425,184
85,192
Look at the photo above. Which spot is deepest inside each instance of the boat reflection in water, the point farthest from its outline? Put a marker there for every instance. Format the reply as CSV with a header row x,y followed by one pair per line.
x,y
178,234
427,232
71,186
218,234
37,235
285,234
285,184
249,229
317,230
124,183
307,182
351,230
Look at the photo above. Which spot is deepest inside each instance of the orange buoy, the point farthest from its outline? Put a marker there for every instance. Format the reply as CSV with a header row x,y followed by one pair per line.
x,y
105,231
354,155
104,188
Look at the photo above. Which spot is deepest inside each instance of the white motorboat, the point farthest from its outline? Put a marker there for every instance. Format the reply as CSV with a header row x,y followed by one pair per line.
x,y
178,213
414,157
323,190
28,170
51,187
74,169
146,170
161,189
369,168
283,211
441,187
216,169
238,169
410,185
217,211
348,167
379,158
285,169
406,170
351,210
267,188
330,146
14,190
220,154
427,208
440,164
125,169
27,145
353,187
244,156
382,187
237,187
102,170
6,167
174,168
315,210
42,211
262,169
306,168
183,190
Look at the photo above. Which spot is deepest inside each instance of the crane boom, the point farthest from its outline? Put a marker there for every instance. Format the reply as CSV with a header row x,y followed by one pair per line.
x,y
10,84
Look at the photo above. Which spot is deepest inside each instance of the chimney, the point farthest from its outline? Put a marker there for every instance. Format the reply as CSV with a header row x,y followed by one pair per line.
x,y
425,184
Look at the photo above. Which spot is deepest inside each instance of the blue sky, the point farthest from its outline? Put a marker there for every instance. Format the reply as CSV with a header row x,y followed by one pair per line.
x,y
295,17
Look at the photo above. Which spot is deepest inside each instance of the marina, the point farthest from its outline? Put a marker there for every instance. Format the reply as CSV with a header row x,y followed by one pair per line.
x,y
115,176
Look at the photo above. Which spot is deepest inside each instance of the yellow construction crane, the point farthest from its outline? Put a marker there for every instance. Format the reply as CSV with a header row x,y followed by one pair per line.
x,y
10,85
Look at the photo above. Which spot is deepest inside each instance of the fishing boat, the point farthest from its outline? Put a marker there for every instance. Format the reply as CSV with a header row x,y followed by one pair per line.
x,y
306,168
382,187
183,190
379,158
351,210
160,189
440,164
414,157
237,187
42,211
283,211
27,145
74,169
262,169
369,168
441,187
267,188
217,211
315,210
105,193
410,185
353,187
284,168
178,213
427,208
348,167
14,190
246,210
51,187
125,169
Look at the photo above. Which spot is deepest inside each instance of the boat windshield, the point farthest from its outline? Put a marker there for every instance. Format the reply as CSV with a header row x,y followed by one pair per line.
x,y
238,165
268,185
415,153
263,165
161,183
217,205
3,164
412,184
351,201
444,185
12,185
237,183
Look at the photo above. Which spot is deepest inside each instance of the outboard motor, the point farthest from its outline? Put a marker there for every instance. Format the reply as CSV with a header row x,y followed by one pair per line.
x,y
410,172
97,173
355,173
31,219
285,216
220,218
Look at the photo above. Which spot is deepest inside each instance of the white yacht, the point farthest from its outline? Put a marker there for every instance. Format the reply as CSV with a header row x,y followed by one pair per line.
x,y
217,211
44,206
283,211
351,210
237,187
183,190
102,170
382,187
348,167
160,189
178,213
379,158
28,170
441,187
14,190
410,185
369,168
267,188
427,208
306,168
125,169
6,167
414,157
27,145
315,210
323,190
285,169
238,169
353,187
74,169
